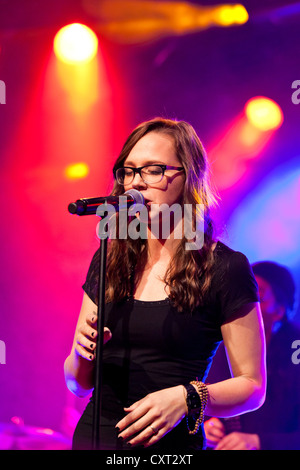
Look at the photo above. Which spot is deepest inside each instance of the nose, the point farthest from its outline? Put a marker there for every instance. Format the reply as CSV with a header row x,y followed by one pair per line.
x,y
138,181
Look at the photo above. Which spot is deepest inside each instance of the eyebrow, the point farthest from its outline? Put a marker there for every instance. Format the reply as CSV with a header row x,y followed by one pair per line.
x,y
147,162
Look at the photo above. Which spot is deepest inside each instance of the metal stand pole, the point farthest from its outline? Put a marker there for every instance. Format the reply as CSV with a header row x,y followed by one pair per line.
x,y
99,347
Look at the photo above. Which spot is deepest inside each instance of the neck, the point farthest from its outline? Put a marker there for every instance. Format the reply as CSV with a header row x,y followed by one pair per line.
x,y
161,250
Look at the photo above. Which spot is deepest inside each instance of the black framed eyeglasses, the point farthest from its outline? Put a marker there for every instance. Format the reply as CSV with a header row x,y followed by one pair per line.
x,y
150,174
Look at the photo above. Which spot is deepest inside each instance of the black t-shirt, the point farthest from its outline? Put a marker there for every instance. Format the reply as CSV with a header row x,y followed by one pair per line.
x,y
153,346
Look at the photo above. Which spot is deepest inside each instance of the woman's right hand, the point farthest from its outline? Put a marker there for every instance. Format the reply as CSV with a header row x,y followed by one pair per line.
x,y
86,337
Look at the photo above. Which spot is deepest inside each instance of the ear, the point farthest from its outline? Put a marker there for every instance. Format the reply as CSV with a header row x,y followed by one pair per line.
x,y
280,312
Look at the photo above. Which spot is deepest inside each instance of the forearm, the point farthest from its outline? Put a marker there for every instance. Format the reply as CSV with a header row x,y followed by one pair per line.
x,y
234,396
79,373
245,346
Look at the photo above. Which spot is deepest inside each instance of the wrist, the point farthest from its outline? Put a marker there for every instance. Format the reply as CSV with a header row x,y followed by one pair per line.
x,y
257,445
193,400
196,401
184,398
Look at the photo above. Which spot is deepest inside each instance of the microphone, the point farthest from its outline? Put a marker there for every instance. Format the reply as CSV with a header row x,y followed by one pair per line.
x,y
89,206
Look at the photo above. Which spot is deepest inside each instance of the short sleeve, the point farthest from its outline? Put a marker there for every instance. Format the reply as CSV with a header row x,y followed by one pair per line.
x,y
91,284
236,285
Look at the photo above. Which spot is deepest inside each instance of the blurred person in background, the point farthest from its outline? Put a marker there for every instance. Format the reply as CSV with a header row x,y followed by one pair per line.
x,y
276,425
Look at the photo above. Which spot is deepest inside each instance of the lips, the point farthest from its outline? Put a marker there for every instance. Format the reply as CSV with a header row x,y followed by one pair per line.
x,y
147,204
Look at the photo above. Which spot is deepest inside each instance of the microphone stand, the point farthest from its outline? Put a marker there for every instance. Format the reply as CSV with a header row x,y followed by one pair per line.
x,y
87,207
100,328
99,347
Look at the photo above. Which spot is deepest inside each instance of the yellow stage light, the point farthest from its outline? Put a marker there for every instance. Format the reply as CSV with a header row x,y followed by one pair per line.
x,y
75,44
264,113
232,14
133,21
76,171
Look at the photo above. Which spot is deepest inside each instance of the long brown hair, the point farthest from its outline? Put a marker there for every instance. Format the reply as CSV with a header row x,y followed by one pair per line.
x,y
189,274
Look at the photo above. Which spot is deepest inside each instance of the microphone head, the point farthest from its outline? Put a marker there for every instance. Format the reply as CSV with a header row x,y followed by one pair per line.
x,y
136,196
72,208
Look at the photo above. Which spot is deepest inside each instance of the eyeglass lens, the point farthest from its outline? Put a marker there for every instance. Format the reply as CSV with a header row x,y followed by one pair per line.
x,y
149,174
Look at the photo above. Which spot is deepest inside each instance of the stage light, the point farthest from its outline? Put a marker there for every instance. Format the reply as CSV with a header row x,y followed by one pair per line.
x,y
232,14
133,21
75,44
77,171
264,113
246,138
270,216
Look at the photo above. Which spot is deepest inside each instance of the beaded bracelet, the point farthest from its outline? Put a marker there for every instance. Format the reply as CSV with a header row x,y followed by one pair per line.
x,y
203,394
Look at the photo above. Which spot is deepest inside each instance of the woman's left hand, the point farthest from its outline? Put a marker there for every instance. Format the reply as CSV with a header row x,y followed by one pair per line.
x,y
150,418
